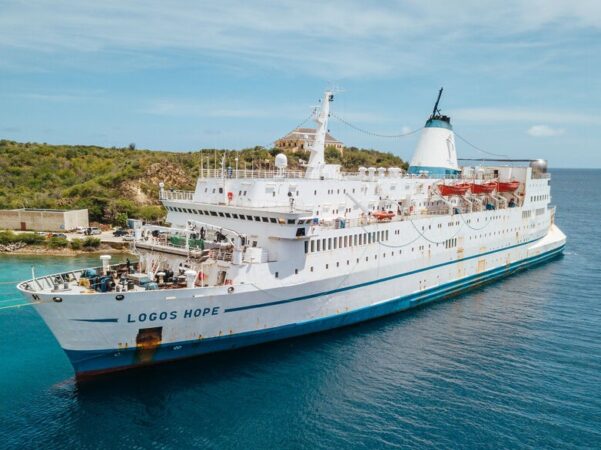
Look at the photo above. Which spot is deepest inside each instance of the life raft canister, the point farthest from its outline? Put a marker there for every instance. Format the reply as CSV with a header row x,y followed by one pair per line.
x,y
230,196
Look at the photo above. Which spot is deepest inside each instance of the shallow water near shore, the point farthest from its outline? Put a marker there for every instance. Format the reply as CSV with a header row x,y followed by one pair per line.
x,y
516,363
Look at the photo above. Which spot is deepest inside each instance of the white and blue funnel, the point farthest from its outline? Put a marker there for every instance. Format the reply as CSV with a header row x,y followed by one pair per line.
x,y
435,154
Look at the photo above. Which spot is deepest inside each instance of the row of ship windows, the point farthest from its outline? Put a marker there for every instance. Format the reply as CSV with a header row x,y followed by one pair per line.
x,y
449,243
325,244
537,198
239,216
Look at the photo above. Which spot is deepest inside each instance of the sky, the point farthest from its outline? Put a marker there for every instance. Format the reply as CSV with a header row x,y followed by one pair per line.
x,y
521,78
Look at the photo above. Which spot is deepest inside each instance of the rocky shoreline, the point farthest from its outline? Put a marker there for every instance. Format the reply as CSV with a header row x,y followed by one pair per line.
x,y
20,248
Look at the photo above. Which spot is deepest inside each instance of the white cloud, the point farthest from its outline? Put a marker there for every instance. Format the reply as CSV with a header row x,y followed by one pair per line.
x,y
491,115
545,131
348,38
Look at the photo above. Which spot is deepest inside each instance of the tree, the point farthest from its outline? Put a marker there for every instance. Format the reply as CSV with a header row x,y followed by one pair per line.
x,y
132,146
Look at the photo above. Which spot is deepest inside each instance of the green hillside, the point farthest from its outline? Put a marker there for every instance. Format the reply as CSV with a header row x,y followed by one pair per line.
x,y
116,183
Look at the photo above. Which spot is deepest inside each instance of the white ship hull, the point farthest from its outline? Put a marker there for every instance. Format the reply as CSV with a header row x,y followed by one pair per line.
x,y
258,256
98,333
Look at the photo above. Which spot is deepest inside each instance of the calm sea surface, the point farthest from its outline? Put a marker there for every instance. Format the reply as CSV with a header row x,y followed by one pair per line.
x,y
513,364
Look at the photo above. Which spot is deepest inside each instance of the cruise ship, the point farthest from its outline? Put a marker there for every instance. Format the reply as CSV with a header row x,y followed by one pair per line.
x,y
252,256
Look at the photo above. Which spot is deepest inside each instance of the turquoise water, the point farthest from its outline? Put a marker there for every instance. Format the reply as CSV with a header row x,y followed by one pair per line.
x,y
513,364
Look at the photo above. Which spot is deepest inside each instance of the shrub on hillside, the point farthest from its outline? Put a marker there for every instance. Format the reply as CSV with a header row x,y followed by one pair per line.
x,y
91,242
30,238
7,237
57,242
76,244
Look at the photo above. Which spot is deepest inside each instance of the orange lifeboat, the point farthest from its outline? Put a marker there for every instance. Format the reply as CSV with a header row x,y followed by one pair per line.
x,y
507,186
484,188
383,215
453,189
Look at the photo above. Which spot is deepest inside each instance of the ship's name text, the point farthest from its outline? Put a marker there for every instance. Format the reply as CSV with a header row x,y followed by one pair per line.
x,y
172,315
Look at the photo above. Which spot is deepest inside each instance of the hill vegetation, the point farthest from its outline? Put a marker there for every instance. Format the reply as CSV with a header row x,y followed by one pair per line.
x,y
117,183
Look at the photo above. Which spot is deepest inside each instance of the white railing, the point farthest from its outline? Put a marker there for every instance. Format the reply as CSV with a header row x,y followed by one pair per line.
x,y
247,173
176,195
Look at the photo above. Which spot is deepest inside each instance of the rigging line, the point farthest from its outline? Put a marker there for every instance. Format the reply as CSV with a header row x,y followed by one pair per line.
x,y
478,148
309,117
431,241
371,133
473,228
20,306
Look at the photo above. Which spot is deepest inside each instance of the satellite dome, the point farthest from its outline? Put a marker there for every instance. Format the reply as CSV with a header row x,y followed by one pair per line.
x,y
281,161
539,166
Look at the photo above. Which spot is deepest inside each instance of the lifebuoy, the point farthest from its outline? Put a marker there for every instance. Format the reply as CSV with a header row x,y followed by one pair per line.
x,y
230,196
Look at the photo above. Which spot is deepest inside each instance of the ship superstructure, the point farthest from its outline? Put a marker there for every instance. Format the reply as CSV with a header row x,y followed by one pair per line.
x,y
256,255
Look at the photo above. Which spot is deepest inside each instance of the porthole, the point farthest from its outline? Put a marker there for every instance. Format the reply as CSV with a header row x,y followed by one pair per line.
x,y
119,297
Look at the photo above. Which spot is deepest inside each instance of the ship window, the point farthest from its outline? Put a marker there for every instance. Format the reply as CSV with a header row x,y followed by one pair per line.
x,y
220,214
221,190
327,266
257,219
249,217
311,268
337,264
312,246
244,193
272,220
306,246
213,213
265,219
291,221
318,245
295,271
323,244
340,241
300,231
335,244
277,274
234,215
213,190
228,215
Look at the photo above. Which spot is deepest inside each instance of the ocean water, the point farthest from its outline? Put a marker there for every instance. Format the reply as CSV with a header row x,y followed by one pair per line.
x,y
513,364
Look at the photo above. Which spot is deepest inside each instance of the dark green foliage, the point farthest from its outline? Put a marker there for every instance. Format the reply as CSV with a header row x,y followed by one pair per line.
x,y
91,242
57,242
114,184
30,238
76,244
8,237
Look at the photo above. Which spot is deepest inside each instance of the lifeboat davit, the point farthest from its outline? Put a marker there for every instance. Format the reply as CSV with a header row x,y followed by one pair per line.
x,y
383,215
507,186
484,188
453,189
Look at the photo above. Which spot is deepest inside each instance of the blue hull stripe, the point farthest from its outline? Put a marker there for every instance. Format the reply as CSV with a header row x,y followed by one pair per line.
x,y
381,280
87,363
95,320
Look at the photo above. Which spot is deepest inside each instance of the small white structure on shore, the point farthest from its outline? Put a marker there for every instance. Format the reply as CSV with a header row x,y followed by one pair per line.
x,y
43,219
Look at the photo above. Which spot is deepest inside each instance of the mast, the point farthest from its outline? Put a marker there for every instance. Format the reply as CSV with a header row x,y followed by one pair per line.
x,y
436,111
317,148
